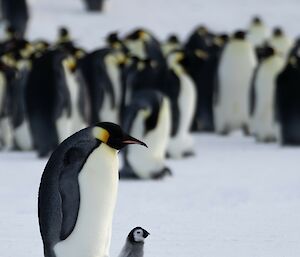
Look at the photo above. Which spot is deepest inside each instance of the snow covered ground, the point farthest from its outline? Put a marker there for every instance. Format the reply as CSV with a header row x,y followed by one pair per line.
x,y
236,198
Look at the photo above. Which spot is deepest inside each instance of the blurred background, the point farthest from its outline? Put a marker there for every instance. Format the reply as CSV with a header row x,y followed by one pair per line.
x,y
176,74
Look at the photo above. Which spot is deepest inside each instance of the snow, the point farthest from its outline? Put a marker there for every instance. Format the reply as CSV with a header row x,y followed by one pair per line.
x,y
235,198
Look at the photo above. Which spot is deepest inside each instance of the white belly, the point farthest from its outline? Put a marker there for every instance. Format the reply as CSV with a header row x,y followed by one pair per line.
x,y
145,161
22,137
98,182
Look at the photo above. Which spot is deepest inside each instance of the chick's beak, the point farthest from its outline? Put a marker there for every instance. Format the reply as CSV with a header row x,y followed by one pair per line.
x,y
146,234
128,140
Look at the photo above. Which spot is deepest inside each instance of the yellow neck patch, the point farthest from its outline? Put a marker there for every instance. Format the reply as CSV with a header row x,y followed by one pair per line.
x,y
101,134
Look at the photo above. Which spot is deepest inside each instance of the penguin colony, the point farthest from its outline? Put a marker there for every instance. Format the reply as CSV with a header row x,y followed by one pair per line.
x,y
160,92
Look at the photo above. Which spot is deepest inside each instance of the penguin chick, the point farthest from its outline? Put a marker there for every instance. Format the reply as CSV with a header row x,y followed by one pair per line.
x,y
134,245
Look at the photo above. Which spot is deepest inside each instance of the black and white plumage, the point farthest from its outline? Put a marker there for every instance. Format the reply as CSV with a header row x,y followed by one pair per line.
x,y
48,106
148,118
78,192
134,245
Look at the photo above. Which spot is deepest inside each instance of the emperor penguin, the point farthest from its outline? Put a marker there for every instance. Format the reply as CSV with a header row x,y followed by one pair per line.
x,y
22,136
134,245
232,90
16,14
263,124
181,90
258,32
148,117
49,106
7,77
200,38
288,102
78,192
281,42
101,70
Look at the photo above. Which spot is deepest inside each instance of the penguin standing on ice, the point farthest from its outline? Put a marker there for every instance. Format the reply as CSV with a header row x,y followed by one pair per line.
x,y
288,102
258,32
264,85
78,191
7,76
148,118
16,14
134,246
48,102
232,91
280,42
22,136
181,91
101,71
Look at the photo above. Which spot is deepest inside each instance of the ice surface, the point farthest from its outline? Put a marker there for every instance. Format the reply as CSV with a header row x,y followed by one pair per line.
x,y
236,198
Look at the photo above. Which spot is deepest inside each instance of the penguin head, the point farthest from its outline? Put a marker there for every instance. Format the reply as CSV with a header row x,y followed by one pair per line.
x,y
63,35
239,35
138,235
256,20
112,135
278,32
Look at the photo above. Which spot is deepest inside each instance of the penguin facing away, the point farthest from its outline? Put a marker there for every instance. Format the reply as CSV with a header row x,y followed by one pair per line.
x,y
263,117
78,191
288,102
148,118
134,245
232,90
181,90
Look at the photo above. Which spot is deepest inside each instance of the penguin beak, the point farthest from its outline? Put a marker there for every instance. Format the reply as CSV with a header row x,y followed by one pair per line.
x,y
146,234
128,140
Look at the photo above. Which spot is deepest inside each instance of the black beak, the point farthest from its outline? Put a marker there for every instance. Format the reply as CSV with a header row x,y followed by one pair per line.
x,y
146,233
128,140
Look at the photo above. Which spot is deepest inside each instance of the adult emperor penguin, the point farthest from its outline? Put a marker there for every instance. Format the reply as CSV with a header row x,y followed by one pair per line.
x,y
231,96
78,191
148,118
134,245
264,85
288,102
258,32
101,70
49,106
280,42
181,91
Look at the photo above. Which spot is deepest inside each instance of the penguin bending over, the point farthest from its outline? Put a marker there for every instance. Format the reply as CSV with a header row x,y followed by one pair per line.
x,y
134,246
78,191
288,102
147,117
264,85
181,91
232,91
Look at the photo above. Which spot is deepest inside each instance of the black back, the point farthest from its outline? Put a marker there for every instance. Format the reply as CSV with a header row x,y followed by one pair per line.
x,y
59,196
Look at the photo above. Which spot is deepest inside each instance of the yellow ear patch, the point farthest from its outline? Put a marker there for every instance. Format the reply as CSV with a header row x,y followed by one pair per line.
x,y
101,134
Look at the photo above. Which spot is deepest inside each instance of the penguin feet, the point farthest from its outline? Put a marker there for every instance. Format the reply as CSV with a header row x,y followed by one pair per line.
x,y
161,174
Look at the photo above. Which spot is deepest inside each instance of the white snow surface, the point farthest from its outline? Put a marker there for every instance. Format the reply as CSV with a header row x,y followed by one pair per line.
x,y
235,198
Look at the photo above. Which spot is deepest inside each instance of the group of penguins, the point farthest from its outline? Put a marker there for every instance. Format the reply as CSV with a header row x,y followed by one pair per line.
x,y
160,92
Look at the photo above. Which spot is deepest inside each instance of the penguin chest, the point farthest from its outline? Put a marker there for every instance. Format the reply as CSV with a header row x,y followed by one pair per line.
x,y
186,102
98,183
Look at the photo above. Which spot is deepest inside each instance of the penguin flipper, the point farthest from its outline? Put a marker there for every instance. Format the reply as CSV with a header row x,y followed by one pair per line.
x,y
68,182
